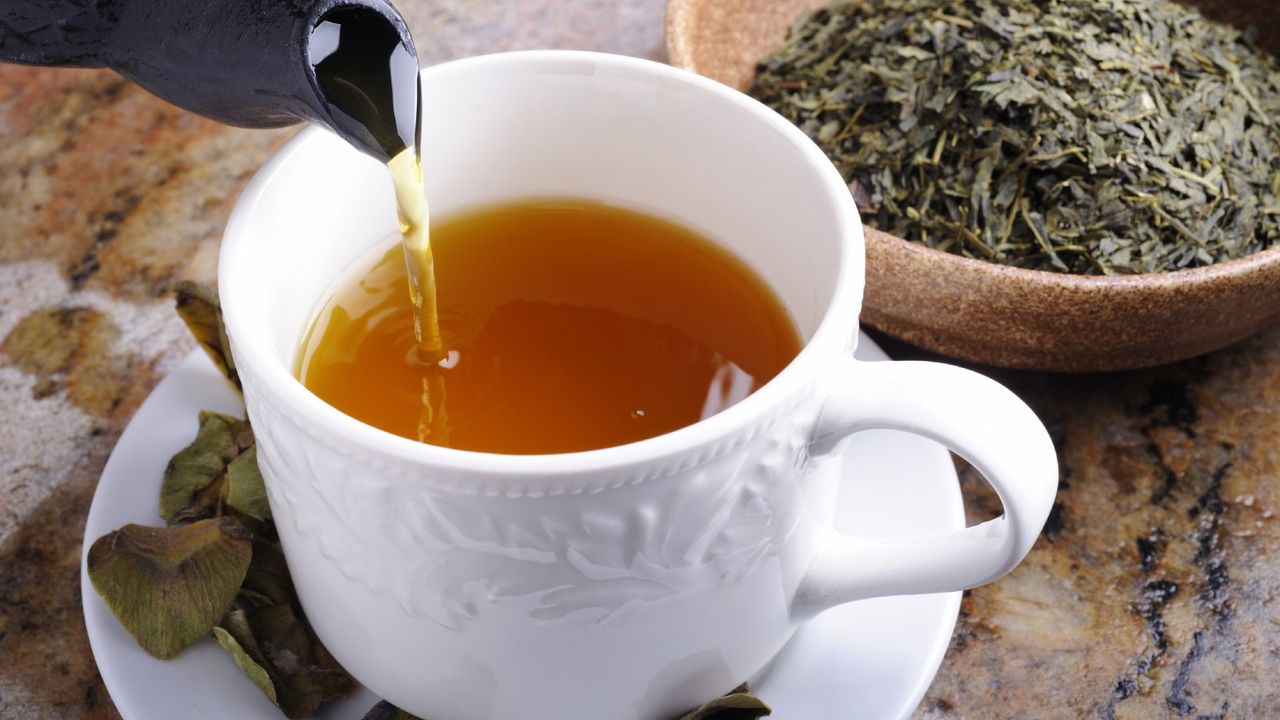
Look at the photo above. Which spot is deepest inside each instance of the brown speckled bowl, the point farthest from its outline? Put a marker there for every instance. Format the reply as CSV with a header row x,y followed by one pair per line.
x,y
998,315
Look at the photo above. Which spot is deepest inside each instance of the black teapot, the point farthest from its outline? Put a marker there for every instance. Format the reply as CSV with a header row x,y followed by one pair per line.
x,y
343,64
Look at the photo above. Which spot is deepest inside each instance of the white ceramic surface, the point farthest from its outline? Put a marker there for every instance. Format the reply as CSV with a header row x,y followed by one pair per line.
x,y
871,660
632,582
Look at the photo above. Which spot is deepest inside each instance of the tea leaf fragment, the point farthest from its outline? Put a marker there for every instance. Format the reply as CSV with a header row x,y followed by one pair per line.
x,y
276,647
386,711
169,586
246,490
235,636
737,705
269,638
268,581
194,486
200,309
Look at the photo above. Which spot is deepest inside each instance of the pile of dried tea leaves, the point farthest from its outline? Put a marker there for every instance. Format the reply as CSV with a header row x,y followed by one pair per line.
x,y
1083,136
217,567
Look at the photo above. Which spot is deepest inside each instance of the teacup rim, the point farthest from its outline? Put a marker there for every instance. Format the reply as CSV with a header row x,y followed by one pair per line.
x,y
836,332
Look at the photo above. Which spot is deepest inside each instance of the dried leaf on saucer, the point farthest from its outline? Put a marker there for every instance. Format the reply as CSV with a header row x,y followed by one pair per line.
x,y
169,586
737,705
268,581
218,568
276,641
269,638
246,491
199,308
386,711
194,485
236,637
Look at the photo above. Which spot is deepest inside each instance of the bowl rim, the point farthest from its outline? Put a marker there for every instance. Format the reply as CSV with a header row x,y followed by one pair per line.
x,y
1203,275
679,54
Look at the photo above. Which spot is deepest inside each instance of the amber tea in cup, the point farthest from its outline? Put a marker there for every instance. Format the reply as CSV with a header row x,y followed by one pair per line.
x,y
569,325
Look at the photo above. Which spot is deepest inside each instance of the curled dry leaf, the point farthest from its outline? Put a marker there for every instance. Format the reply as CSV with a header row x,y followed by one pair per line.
x,y
195,481
276,643
737,705
169,586
268,636
268,581
199,308
235,636
246,491
386,711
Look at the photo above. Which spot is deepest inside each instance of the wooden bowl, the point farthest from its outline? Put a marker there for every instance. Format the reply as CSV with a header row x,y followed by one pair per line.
x,y
997,315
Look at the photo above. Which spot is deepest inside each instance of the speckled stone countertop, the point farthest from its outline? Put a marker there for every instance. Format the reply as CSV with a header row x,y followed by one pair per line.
x,y
1152,593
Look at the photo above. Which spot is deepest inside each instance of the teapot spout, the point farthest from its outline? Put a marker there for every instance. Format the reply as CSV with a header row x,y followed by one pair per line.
x,y
365,71
248,63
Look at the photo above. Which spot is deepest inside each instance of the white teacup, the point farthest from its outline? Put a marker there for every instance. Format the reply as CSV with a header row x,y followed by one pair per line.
x,y
634,582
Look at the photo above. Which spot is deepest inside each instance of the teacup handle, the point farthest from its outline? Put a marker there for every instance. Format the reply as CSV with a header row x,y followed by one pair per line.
x,y
978,419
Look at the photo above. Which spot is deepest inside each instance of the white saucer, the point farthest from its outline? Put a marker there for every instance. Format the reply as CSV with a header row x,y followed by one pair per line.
x,y
871,660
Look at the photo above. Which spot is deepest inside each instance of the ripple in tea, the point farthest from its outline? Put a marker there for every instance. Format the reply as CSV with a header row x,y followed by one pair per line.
x,y
570,325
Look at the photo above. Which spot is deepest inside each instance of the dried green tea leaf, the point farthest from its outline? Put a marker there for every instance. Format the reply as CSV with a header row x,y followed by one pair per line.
x,y
246,492
169,586
268,581
205,504
199,308
386,711
1082,136
266,630
192,487
277,639
737,705
265,633
234,635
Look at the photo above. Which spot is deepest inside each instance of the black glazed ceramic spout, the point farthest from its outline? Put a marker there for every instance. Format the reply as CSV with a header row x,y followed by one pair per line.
x,y
248,63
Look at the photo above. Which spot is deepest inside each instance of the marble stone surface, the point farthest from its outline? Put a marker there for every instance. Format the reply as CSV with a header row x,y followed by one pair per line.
x,y
1151,594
